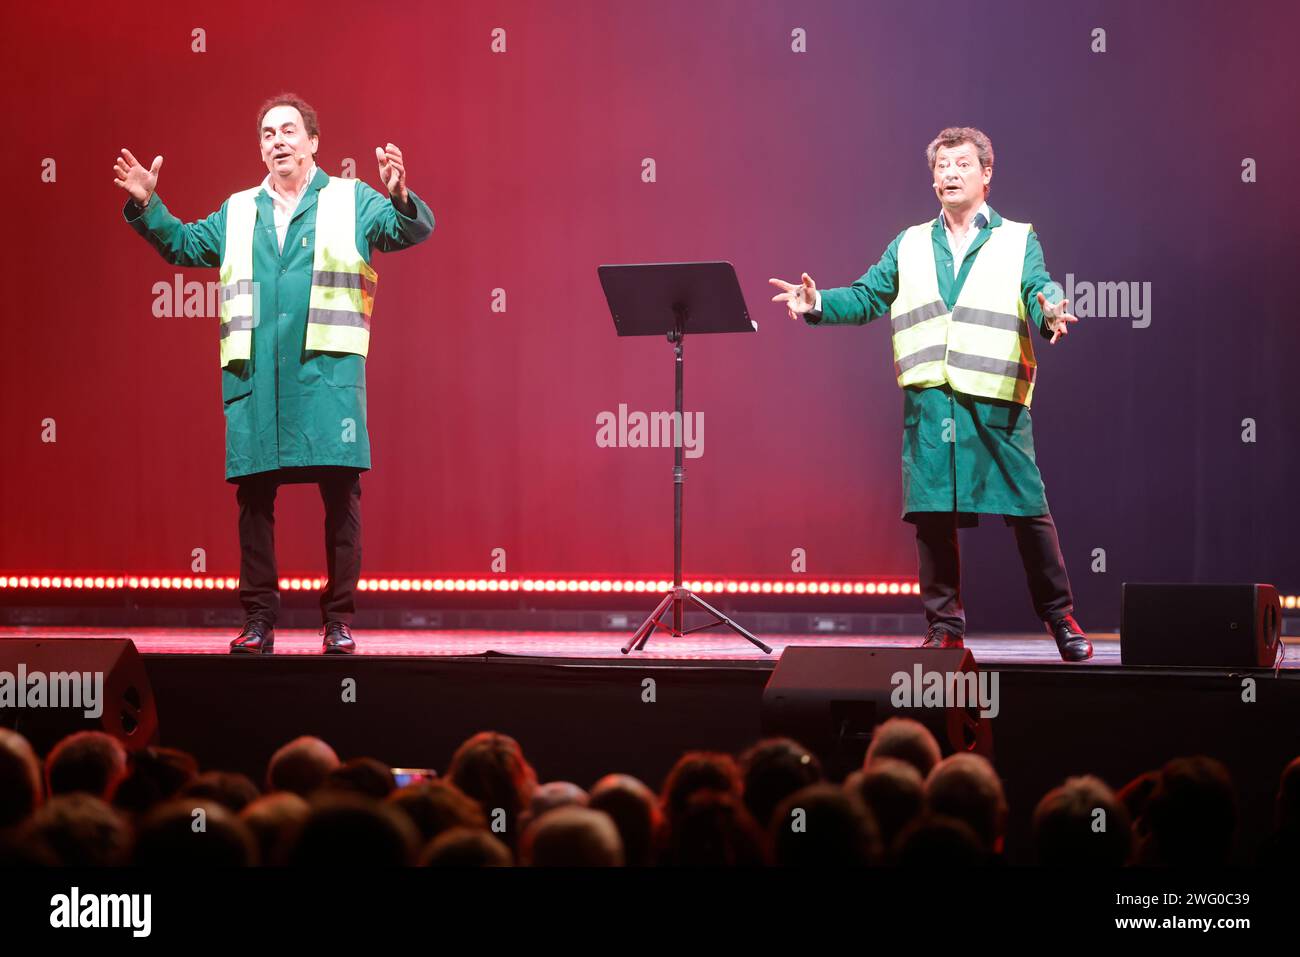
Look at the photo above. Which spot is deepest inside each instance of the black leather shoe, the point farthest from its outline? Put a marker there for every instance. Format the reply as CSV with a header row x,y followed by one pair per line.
x,y
1070,639
257,638
338,639
941,638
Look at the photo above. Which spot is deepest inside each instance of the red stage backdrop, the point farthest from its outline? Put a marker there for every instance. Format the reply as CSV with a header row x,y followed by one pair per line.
x,y
1158,154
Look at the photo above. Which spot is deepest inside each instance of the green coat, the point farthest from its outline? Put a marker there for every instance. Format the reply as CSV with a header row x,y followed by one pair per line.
x,y
286,408
985,461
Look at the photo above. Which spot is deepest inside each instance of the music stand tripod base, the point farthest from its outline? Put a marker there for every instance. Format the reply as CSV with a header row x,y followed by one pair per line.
x,y
676,598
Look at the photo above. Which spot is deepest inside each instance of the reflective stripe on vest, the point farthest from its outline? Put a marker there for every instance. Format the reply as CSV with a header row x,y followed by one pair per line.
x,y
239,306
342,294
982,347
342,282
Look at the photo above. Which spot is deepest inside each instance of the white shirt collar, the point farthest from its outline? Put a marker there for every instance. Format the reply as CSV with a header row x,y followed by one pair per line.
x,y
311,175
983,211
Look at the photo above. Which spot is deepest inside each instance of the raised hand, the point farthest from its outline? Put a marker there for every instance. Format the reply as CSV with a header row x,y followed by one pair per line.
x,y
134,178
798,297
1057,316
391,171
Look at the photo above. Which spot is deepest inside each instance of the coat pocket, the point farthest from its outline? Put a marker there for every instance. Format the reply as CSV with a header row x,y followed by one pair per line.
x,y
235,383
1006,415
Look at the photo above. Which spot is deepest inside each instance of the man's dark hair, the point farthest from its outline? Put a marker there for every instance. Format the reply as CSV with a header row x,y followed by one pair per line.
x,y
20,779
348,830
933,841
838,830
309,119
966,787
466,847
166,837
153,776
231,790
1192,814
273,820
907,740
437,806
87,761
774,769
81,831
365,776
1287,803
894,793
1065,832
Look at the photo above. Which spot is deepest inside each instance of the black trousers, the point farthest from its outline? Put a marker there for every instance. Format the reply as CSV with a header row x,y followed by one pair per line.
x,y
939,563
259,582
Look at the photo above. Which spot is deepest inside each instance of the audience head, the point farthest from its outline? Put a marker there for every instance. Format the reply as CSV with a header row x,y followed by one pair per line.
x,y
907,740
557,794
20,779
699,771
490,768
91,762
966,787
1135,795
633,808
437,806
823,826
893,791
1082,823
301,766
81,830
1286,806
548,797
934,841
365,776
353,831
1191,816
772,770
153,775
712,829
572,836
168,836
232,791
466,847
273,820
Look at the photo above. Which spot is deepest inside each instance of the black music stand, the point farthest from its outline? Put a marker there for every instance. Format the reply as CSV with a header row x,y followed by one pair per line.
x,y
672,299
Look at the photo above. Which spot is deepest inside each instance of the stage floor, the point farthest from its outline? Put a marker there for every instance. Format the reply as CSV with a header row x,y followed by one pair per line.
x,y
1026,648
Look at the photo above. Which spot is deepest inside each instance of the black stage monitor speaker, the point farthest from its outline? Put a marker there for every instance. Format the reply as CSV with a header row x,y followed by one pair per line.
x,y
830,699
1200,625
51,687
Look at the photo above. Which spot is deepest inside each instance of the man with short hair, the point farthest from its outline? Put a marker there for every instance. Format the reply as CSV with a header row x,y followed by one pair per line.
x,y
965,786
960,290
87,761
301,766
297,293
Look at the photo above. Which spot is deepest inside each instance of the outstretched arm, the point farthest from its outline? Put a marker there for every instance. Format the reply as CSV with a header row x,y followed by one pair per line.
x,y
870,296
1038,292
181,244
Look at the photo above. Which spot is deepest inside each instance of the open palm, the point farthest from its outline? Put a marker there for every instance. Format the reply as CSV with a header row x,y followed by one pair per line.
x,y
129,174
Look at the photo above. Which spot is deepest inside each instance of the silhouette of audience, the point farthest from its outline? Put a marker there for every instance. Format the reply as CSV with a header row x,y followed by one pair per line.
x,y
93,804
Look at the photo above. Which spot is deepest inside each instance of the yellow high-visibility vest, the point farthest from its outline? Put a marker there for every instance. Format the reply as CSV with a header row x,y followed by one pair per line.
x,y
982,347
342,282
